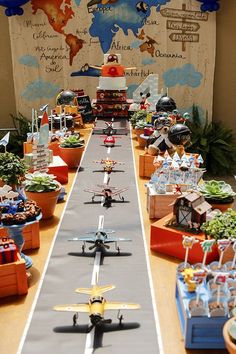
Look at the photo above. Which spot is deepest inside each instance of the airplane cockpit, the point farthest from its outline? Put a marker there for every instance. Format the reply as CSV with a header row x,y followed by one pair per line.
x,y
97,298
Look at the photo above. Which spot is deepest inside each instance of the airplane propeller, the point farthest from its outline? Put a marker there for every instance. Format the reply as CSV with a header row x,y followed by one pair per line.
x,y
100,323
95,245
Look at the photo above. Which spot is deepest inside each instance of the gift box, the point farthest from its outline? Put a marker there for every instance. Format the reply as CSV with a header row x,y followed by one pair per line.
x,y
8,251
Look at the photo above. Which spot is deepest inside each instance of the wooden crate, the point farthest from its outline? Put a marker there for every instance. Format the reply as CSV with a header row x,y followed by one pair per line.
x,y
30,234
146,167
13,278
168,241
159,205
200,332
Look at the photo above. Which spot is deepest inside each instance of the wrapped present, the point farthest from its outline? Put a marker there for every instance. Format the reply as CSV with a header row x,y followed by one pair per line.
x,y
8,251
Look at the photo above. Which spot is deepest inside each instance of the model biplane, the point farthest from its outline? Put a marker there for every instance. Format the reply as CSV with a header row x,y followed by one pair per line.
x,y
108,164
100,239
110,128
96,306
107,192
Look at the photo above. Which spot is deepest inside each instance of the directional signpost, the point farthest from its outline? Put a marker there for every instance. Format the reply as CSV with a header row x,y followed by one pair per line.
x,y
184,25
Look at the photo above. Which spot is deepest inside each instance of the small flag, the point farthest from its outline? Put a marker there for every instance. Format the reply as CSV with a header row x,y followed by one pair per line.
x,y
44,130
5,140
44,108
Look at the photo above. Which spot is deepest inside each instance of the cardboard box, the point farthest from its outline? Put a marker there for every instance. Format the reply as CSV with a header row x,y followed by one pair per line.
x,y
146,167
158,205
13,278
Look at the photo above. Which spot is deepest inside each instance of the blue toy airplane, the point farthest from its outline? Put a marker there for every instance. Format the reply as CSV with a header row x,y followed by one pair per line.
x,y
100,239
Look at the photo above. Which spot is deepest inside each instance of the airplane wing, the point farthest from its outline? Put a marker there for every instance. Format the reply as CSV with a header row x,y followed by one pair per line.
x,y
83,239
116,239
107,231
119,191
94,191
72,308
121,306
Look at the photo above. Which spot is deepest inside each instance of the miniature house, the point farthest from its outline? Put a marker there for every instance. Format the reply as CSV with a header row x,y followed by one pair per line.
x,y
190,210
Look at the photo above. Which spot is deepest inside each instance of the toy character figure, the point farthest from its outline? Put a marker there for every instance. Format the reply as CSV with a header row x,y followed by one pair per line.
x,y
144,104
159,139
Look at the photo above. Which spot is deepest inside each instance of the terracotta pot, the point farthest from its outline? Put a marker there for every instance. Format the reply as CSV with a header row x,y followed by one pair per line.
x,y
221,206
141,141
228,254
71,156
45,200
231,347
138,132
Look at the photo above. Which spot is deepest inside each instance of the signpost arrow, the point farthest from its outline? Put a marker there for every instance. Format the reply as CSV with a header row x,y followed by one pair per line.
x,y
184,14
183,26
184,37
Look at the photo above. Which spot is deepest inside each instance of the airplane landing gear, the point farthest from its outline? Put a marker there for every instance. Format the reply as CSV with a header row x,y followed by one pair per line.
x,y
117,248
75,318
83,248
120,318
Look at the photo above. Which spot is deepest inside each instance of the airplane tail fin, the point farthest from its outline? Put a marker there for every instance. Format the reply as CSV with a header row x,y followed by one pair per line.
x,y
95,290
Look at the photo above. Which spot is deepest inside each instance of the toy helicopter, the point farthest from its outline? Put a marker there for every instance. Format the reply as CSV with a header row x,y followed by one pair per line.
x,y
100,239
108,164
107,192
96,306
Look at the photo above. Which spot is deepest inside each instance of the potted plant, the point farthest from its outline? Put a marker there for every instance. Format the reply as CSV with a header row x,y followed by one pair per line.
x,y
44,190
71,150
12,169
218,193
137,116
229,334
214,141
222,226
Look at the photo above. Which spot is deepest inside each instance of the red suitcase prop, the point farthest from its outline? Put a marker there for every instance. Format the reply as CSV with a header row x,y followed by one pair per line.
x,y
8,251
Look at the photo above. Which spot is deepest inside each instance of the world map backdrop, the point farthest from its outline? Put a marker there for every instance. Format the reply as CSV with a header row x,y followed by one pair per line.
x,y
55,41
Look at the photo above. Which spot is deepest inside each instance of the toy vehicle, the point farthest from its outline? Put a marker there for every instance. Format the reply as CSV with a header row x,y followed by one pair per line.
x,y
96,306
107,193
100,239
108,164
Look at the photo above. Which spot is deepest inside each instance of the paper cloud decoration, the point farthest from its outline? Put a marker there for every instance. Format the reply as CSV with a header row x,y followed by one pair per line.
x,y
13,7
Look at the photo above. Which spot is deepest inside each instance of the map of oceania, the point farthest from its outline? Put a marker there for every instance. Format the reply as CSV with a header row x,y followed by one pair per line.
x,y
124,15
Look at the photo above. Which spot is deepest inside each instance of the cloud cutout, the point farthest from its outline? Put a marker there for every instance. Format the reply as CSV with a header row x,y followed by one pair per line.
x,y
148,61
29,60
185,75
131,89
135,44
40,89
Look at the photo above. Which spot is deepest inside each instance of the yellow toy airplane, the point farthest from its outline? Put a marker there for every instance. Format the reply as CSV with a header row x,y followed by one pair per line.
x,y
96,306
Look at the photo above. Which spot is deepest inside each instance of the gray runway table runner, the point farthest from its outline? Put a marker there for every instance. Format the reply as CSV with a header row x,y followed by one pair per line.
x,y
53,332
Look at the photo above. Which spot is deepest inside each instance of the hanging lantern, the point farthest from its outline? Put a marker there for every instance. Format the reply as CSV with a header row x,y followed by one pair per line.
x,y
209,5
13,7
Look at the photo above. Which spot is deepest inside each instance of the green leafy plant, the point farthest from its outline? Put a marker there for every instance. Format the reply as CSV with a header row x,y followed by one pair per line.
x,y
217,191
138,116
223,225
141,124
18,136
40,182
72,141
214,142
12,168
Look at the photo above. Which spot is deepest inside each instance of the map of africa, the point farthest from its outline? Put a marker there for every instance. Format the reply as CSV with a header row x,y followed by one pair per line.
x,y
107,18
